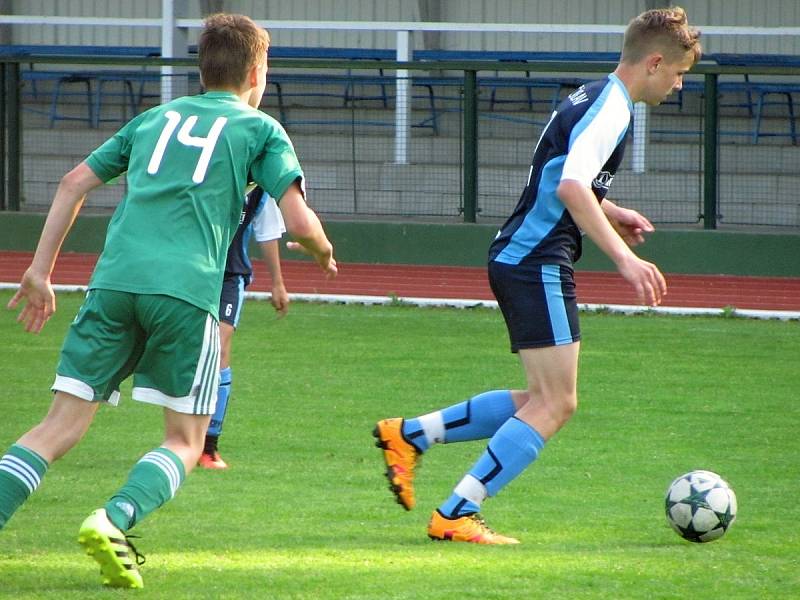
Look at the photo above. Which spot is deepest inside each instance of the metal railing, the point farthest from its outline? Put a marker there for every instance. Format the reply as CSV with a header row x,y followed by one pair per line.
x,y
700,160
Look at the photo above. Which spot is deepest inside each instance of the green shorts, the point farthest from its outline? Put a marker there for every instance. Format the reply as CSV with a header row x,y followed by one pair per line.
x,y
170,347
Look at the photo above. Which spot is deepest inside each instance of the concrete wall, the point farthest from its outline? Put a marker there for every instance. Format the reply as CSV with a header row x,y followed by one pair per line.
x,y
354,175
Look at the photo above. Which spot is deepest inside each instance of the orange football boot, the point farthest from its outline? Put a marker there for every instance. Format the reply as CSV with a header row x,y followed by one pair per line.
x,y
212,460
401,457
469,528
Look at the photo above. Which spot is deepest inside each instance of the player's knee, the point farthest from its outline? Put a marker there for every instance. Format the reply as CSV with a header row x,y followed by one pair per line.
x,y
570,406
561,406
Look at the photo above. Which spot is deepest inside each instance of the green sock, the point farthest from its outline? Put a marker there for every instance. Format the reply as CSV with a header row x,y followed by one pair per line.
x,y
21,472
152,482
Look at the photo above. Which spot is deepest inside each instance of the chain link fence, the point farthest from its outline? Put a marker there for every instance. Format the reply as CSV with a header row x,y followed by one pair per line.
x,y
344,124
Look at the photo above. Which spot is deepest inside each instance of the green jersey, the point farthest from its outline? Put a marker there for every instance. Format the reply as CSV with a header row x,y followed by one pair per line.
x,y
188,163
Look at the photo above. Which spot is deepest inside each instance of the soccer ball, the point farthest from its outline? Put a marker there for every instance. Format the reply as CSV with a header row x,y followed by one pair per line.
x,y
700,506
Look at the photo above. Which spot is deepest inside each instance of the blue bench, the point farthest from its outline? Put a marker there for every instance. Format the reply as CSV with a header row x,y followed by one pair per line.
x,y
431,91
93,84
361,54
527,83
337,82
344,86
62,80
760,94
432,85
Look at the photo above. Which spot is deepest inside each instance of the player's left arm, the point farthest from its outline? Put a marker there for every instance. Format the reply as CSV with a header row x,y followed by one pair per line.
x,y
628,223
35,288
270,251
268,227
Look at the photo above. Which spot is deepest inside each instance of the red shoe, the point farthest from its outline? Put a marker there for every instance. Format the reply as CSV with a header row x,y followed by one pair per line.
x,y
209,460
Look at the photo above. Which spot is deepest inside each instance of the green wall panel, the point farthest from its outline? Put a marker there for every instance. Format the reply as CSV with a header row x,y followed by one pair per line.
x,y
674,251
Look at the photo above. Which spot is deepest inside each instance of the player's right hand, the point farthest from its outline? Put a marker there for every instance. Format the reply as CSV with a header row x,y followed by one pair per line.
x,y
331,269
39,301
325,260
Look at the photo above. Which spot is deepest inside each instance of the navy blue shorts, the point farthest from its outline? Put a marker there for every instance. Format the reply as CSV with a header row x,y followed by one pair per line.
x,y
538,303
232,298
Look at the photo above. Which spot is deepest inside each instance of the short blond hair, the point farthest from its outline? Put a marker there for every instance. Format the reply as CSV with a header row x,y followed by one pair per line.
x,y
229,46
665,30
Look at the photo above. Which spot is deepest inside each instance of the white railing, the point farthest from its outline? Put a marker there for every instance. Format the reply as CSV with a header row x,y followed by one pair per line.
x,y
389,25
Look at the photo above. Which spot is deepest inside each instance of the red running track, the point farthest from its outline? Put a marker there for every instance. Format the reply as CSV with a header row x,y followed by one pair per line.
x,y
685,291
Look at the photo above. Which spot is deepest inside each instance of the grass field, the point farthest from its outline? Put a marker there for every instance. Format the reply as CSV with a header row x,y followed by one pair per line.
x,y
304,511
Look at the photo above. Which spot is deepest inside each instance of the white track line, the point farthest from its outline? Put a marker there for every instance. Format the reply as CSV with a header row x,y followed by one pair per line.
x,y
783,315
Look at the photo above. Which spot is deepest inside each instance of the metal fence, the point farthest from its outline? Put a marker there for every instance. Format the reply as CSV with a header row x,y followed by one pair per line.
x,y
723,152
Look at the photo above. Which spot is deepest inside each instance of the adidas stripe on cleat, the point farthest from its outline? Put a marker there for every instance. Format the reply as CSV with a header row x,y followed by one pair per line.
x,y
110,548
400,457
469,528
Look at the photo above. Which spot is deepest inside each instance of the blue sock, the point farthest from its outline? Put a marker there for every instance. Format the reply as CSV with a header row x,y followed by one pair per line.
x,y
475,419
515,445
225,379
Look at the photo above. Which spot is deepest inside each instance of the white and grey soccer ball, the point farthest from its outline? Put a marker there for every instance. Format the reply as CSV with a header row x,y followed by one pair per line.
x,y
700,506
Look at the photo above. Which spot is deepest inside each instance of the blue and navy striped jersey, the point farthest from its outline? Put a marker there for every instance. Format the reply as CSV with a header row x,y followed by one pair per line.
x,y
238,261
584,141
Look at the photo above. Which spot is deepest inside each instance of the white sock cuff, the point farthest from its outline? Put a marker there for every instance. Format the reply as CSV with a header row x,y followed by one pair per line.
x,y
471,489
21,471
433,426
170,470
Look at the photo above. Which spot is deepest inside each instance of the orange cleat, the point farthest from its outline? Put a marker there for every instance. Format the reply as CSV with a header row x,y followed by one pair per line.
x,y
469,528
401,458
212,460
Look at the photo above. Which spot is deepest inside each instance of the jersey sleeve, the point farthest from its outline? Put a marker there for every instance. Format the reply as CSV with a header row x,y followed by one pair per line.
x,y
594,138
277,167
111,158
268,223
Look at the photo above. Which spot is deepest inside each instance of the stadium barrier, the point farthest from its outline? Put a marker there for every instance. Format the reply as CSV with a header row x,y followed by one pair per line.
x,y
692,151
459,244
757,93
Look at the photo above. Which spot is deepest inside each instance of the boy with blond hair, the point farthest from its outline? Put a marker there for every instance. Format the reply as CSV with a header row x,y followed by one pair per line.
x,y
531,274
